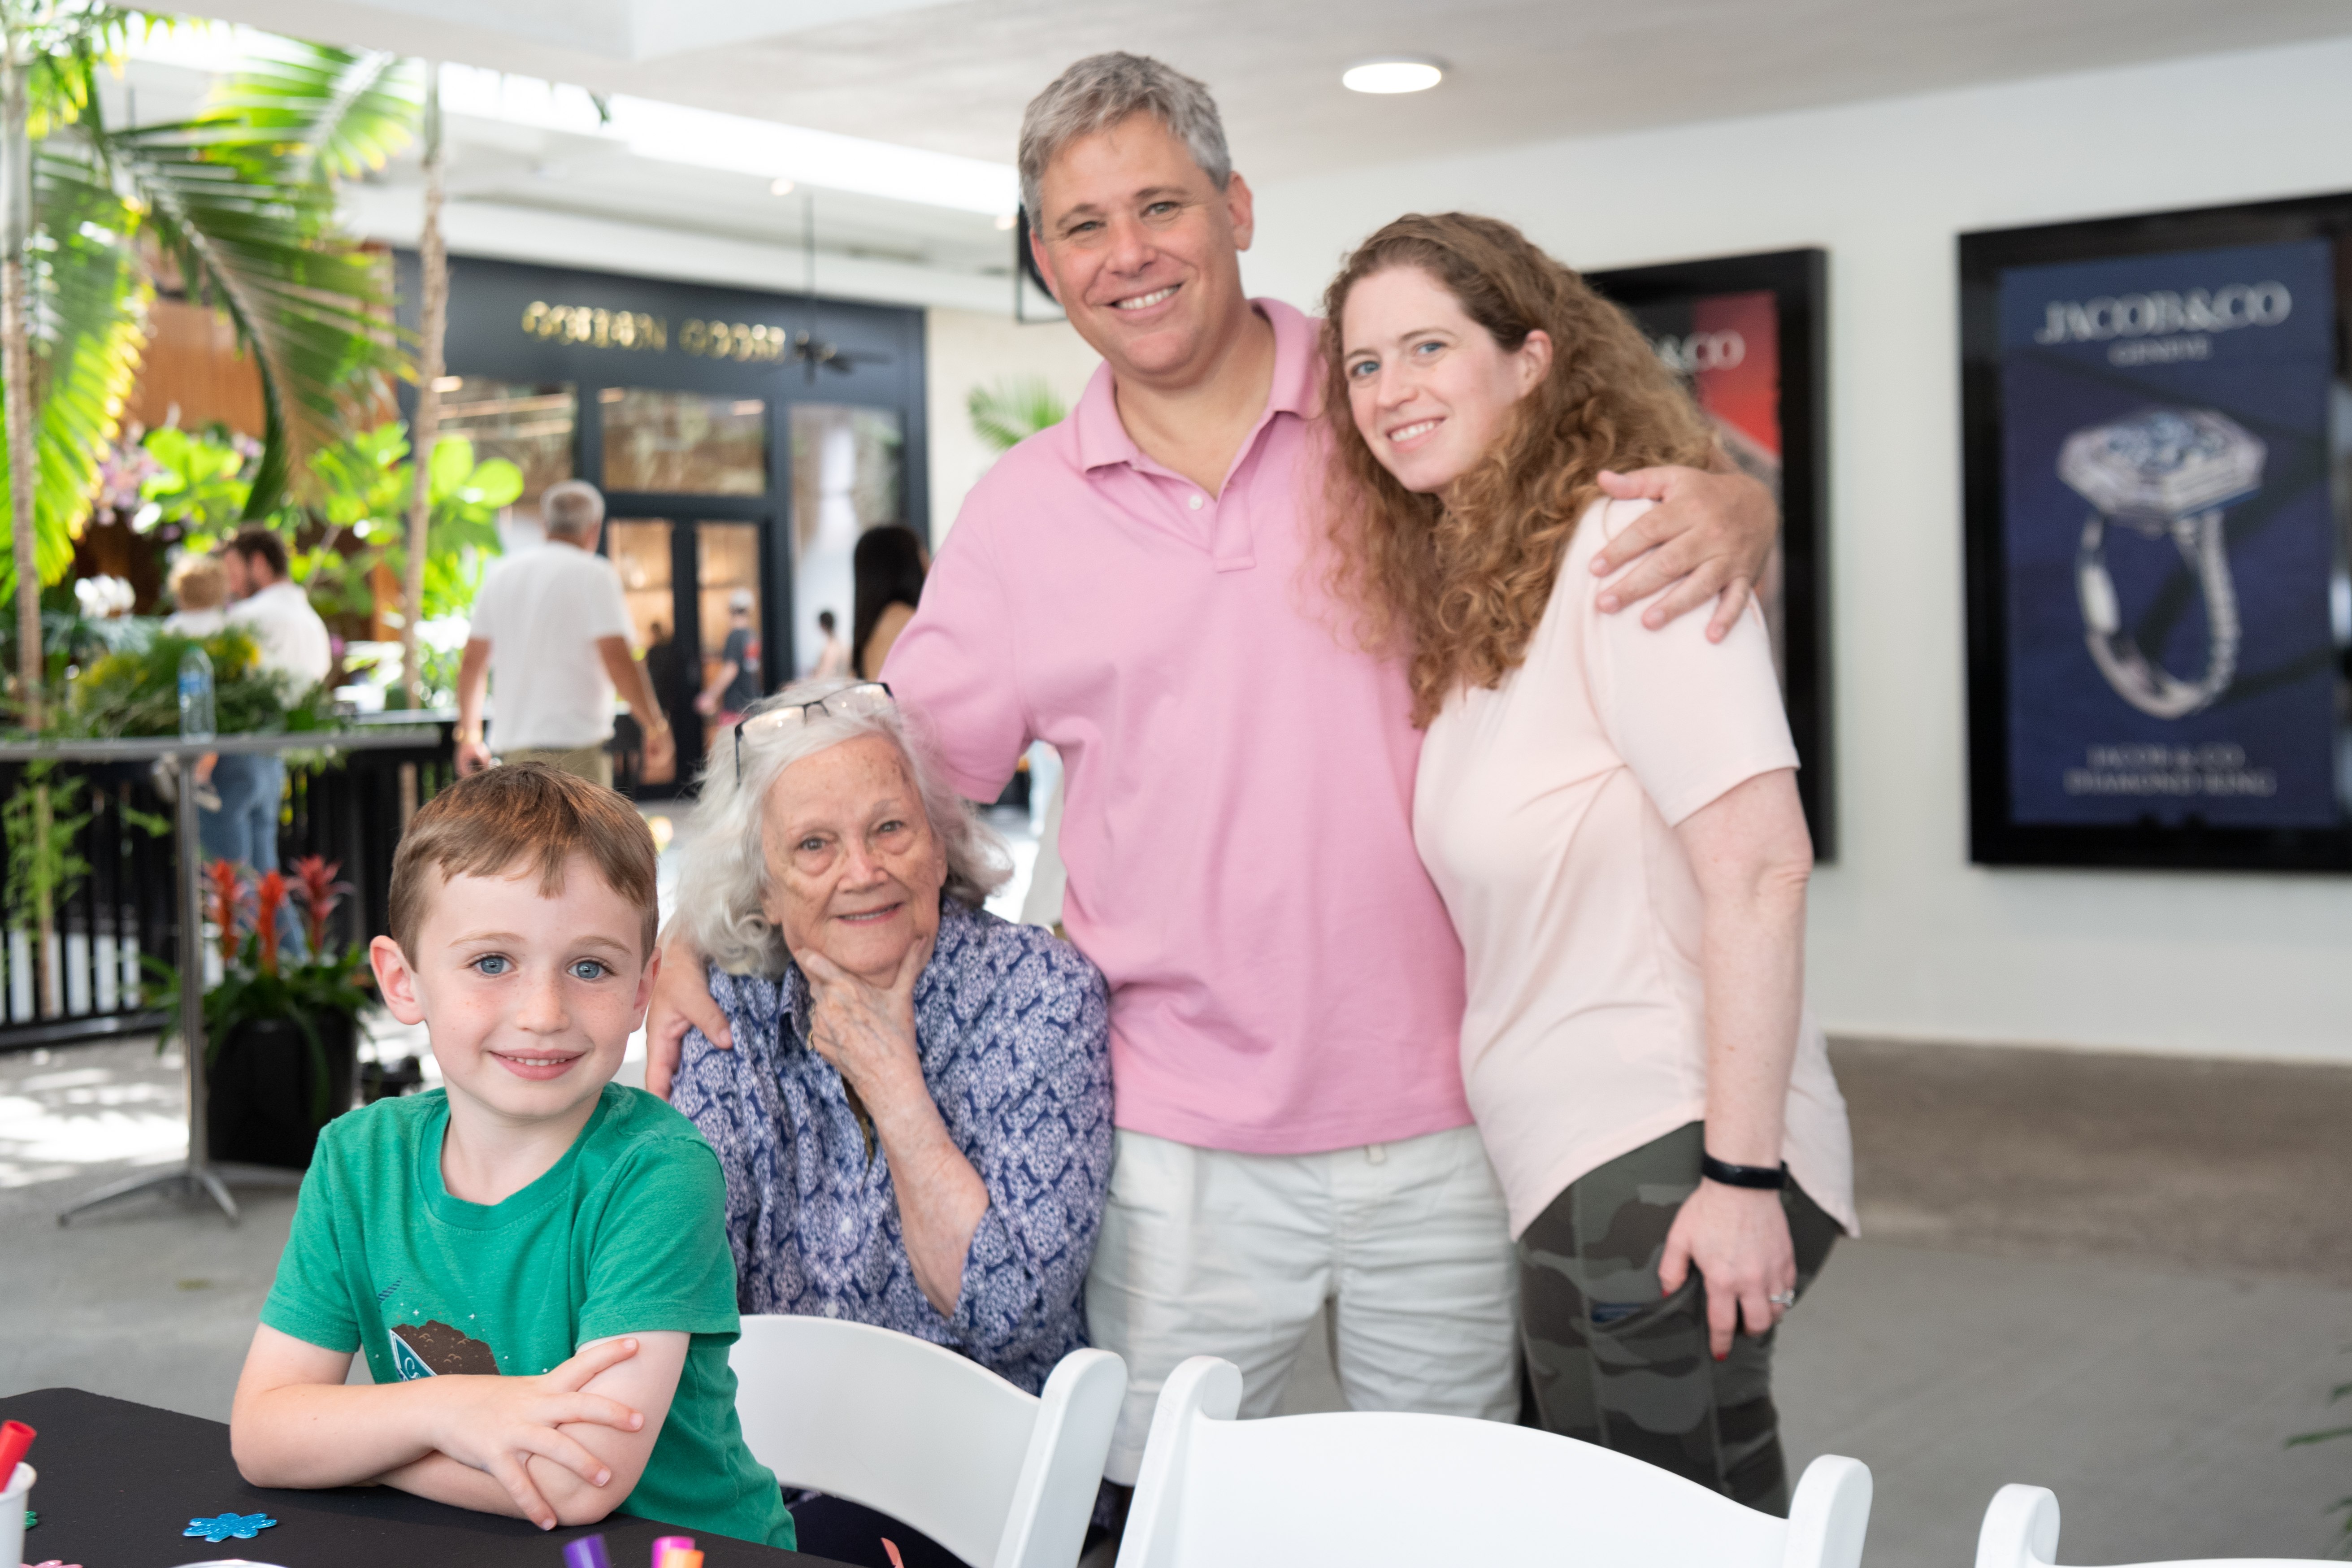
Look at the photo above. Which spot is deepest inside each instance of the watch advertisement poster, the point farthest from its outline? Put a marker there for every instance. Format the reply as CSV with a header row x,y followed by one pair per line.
x,y
1744,334
2156,544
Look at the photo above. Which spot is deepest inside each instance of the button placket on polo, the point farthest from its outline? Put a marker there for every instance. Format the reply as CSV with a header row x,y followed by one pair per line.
x,y
1232,547
1231,542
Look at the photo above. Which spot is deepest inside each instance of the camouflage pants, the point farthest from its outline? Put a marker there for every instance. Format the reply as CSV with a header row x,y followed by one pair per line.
x,y
1612,1360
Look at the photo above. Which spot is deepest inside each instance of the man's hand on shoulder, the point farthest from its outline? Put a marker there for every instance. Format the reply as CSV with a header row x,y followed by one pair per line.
x,y
681,1001
1707,538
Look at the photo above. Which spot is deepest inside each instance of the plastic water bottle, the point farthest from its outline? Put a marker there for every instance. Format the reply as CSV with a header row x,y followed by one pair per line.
x,y
196,695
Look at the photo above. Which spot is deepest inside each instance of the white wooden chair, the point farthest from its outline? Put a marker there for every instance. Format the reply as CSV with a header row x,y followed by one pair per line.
x,y
1365,1488
998,1478
2020,1530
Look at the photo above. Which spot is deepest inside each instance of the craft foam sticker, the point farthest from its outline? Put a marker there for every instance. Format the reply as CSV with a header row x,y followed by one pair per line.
x,y
229,1527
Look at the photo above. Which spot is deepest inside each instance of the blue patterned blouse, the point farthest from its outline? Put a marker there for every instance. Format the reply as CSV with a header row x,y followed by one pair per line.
x,y
1013,1026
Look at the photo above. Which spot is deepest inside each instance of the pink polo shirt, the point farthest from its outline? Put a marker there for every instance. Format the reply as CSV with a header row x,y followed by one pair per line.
x,y
1237,820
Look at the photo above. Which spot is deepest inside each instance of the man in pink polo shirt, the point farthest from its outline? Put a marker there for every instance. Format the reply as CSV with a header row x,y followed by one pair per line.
x,y
1142,586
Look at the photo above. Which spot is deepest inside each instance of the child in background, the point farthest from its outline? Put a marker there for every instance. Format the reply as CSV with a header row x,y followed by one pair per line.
x,y
198,585
534,1259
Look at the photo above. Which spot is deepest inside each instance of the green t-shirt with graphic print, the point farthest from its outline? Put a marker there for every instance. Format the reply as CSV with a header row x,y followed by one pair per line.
x,y
626,1234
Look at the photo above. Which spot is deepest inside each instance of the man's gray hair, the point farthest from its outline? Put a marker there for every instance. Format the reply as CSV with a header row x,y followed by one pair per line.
x,y
570,509
1098,92
723,874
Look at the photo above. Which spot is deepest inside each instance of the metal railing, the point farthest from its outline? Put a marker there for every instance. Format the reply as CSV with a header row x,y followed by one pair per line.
x,y
123,909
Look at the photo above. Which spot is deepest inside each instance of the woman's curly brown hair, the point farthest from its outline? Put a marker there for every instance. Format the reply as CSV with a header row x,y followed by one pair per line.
x,y
1462,580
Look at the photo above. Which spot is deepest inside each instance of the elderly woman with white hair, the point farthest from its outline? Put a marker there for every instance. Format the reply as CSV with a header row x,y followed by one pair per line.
x,y
914,1114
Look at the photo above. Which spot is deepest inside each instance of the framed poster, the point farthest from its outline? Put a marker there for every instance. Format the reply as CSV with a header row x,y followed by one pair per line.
x,y
2157,428
1747,335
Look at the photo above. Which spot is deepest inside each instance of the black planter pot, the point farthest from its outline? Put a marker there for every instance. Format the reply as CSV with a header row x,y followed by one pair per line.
x,y
262,1090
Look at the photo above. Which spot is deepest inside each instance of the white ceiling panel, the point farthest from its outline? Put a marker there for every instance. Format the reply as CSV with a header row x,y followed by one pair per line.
x,y
953,77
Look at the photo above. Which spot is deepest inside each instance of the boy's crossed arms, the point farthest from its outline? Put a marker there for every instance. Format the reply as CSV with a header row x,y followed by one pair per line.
x,y
562,1448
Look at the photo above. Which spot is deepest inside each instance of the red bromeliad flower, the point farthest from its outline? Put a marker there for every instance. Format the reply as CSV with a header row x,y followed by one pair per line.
x,y
269,898
221,904
318,891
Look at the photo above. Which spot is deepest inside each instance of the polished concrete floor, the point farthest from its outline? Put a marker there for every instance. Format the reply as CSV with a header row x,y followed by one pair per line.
x,y
2123,1278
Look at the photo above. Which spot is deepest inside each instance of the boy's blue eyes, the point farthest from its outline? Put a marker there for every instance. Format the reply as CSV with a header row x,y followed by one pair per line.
x,y
497,963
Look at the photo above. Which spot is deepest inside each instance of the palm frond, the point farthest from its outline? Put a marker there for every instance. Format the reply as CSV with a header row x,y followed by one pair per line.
x,y
89,322
346,112
1013,410
65,43
2302,1439
261,246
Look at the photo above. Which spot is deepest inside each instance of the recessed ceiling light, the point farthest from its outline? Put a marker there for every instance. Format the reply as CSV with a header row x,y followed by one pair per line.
x,y
781,189
1398,74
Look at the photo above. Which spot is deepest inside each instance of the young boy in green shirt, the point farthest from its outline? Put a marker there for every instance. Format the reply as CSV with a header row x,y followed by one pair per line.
x,y
534,1259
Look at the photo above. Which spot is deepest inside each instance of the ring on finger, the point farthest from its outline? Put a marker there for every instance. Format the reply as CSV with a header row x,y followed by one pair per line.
x,y
1782,1299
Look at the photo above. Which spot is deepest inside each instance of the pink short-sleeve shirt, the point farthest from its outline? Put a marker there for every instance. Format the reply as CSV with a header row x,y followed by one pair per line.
x,y
1546,811
1237,812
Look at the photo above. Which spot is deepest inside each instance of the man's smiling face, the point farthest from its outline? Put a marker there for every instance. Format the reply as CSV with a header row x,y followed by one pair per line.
x,y
1142,251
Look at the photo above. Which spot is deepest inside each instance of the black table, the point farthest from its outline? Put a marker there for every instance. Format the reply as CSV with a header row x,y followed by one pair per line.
x,y
118,1482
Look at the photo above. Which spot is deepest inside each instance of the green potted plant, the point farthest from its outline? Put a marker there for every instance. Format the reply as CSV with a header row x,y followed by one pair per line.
x,y
135,690
282,1024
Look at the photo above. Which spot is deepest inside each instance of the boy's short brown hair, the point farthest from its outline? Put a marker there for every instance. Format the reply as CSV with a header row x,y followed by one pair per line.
x,y
521,816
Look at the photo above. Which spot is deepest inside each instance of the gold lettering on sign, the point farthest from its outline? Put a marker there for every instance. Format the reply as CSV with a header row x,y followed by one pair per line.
x,y
597,329
735,340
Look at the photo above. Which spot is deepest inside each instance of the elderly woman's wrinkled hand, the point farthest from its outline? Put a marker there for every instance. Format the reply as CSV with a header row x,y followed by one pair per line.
x,y
867,1031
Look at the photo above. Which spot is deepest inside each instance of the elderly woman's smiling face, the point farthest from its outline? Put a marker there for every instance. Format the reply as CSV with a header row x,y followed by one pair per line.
x,y
854,869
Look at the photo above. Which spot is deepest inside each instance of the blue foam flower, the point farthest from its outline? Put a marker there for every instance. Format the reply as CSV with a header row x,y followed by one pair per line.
x,y
229,1527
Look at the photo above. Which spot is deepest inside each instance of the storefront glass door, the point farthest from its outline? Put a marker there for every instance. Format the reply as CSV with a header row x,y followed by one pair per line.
x,y
848,477
680,578
731,462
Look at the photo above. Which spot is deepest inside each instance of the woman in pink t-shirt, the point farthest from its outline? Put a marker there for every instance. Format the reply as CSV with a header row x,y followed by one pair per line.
x,y
1611,816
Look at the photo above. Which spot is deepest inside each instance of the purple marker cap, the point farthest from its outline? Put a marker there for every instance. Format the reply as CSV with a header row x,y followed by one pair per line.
x,y
588,1552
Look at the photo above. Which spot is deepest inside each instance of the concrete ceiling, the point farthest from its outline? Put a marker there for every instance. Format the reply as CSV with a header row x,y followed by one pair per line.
x,y
953,77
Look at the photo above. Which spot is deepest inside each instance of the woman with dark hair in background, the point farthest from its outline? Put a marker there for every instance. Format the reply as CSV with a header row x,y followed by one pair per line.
x,y
890,566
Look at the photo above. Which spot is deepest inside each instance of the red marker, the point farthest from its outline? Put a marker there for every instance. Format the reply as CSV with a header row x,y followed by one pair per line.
x,y
14,1438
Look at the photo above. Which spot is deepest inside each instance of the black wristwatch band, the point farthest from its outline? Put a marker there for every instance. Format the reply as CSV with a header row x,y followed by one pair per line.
x,y
1770,1177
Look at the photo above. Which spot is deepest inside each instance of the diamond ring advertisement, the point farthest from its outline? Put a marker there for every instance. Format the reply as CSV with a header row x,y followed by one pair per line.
x,y
2156,656
2163,474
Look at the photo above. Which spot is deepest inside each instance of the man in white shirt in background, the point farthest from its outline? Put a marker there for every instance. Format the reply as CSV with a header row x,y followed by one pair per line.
x,y
551,634
269,605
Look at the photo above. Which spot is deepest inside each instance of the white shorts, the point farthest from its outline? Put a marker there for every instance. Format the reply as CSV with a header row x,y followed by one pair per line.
x,y
1206,1252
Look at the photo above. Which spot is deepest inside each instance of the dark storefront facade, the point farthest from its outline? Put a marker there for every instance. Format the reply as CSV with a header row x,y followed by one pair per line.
x,y
742,440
